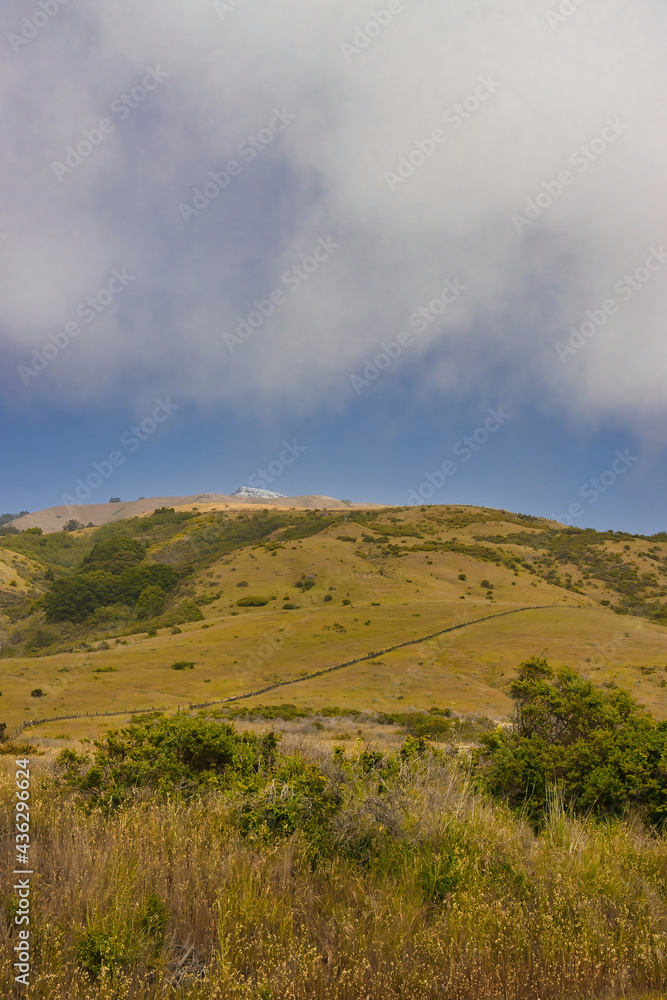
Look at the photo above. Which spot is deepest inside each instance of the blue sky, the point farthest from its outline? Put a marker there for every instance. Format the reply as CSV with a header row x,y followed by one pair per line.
x,y
366,235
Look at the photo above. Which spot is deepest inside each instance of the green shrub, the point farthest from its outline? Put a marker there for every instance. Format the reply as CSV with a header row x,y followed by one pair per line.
x,y
600,749
99,947
440,876
169,754
252,601
297,798
120,940
40,637
183,665
115,555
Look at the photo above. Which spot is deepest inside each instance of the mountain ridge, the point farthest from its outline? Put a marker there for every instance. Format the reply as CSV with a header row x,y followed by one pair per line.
x,y
95,515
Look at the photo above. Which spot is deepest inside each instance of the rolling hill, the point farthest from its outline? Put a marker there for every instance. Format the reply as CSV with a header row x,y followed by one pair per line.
x,y
266,595
96,514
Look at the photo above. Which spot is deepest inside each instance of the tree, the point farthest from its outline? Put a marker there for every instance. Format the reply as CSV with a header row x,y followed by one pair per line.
x,y
601,749
72,526
132,581
71,599
151,602
114,555
4,518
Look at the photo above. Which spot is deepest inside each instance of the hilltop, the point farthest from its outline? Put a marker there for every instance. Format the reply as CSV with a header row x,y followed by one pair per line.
x,y
96,514
250,596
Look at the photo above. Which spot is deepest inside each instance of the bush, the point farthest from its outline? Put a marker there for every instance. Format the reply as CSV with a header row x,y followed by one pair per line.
x,y
183,665
120,940
178,754
40,637
37,693
297,798
440,876
600,749
109,575
252,601
99,947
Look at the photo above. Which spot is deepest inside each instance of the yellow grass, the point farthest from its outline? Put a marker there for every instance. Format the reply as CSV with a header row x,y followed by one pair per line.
x,y
576,912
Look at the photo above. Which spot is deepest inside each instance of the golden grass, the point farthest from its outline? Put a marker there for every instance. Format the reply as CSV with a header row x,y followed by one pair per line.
x,y
577,912
468,669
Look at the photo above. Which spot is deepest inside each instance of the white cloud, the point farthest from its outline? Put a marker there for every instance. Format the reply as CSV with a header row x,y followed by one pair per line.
x,y
325,175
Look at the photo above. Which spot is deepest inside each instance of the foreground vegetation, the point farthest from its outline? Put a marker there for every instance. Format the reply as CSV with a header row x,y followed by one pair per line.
x,y
179,857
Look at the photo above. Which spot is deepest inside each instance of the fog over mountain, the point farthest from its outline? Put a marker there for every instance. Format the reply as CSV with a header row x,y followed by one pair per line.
x,y
343,103
358,227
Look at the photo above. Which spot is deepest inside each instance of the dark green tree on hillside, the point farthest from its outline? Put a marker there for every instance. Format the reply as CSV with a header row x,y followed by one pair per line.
x,y
115,555
598,746
71,600
112,573
151,602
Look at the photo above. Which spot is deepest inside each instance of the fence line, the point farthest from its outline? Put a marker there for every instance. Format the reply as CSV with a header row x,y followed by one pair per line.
x,y
277,684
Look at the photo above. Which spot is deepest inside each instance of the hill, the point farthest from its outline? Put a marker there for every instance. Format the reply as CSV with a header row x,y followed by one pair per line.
x,y
262,596
96,514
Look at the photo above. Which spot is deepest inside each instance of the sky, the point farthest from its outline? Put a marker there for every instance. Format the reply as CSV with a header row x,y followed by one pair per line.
x,y
405,252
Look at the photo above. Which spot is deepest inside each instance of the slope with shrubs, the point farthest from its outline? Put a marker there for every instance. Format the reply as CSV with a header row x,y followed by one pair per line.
x,y
77,587
319,588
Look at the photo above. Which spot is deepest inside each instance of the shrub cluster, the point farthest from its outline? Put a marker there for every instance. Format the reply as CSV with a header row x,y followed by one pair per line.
x,y
596,745
114,572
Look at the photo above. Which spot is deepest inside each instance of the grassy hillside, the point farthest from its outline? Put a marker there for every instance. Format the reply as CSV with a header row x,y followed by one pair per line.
x,y
337,586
